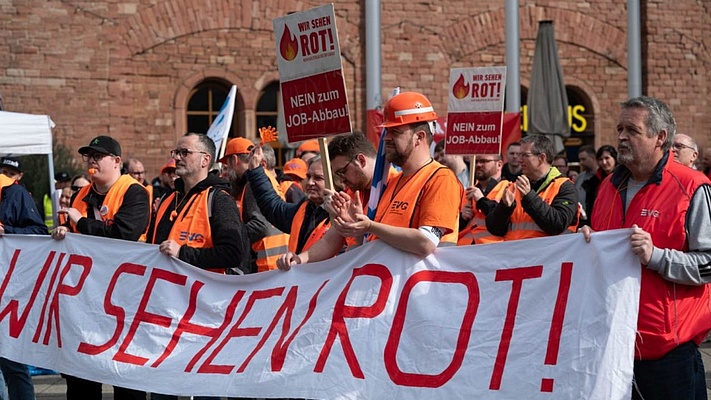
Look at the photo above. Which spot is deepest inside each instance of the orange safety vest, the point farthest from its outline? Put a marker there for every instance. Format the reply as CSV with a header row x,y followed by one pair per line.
x,y
521,225
149,190
412,189
315,235
112,201
271,246
475,232
191,227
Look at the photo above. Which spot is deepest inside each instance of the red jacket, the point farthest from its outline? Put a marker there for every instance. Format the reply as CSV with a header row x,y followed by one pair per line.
x,y
669,314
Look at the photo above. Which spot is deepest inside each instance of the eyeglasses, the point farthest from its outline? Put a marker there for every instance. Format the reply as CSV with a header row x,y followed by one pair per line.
x,y
679,146
341,173
137,173
183,152
530,154
94,156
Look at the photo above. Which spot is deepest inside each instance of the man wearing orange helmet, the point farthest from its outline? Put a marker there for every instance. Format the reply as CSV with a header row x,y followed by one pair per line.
x,y
419,209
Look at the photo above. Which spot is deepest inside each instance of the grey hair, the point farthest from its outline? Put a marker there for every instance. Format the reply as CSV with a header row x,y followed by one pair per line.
x,y
269,156
541,145
659,118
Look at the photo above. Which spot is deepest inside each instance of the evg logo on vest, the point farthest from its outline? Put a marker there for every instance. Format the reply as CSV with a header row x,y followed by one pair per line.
x,y
186,236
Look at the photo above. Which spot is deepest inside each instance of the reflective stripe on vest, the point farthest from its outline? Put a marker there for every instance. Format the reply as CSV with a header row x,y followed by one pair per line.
x,y
112,201
271,246
475,232
191,227
314,235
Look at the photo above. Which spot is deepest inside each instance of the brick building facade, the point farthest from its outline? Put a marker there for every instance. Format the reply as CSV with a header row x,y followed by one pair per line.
x,y
128,68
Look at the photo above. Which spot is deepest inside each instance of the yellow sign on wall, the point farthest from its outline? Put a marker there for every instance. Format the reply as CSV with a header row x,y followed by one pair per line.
x,y
576,120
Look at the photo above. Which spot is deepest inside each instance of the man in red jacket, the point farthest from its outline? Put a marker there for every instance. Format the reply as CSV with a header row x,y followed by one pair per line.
x,y
668,207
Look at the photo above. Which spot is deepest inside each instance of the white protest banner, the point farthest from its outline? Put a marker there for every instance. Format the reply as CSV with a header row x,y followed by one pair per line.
x,y
476,110
550,318
313,88
220,128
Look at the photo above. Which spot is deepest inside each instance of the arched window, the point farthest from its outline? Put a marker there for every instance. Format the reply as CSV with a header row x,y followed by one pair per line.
x,y
266,115
204,104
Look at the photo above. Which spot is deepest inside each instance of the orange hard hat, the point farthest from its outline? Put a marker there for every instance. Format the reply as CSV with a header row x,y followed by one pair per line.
x,y
407,108
308,146
296,167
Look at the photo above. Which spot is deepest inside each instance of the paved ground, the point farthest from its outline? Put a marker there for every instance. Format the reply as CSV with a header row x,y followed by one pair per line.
x,y
52,387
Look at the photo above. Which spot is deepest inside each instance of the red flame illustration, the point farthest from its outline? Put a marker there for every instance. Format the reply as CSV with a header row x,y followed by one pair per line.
x,y
288,46
461,88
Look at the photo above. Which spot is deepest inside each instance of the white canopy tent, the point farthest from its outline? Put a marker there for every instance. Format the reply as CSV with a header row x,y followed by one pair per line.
x,y
23,134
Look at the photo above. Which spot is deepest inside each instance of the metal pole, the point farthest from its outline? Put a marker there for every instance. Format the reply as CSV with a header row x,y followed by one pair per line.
x,y
372,55
634,50
513,61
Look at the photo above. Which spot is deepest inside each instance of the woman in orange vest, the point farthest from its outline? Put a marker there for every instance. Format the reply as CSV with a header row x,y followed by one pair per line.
x,y
306,221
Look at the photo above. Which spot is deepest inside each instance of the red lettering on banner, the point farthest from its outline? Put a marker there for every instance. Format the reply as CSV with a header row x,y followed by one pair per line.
x,y
566,275
341,311
142,315
116,311
282,345
238,331
44,314
214,333
400,377
516,276
17,324
74,259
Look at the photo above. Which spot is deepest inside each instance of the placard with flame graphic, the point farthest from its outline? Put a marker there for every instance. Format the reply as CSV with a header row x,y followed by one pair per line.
x,y
313,88
475,112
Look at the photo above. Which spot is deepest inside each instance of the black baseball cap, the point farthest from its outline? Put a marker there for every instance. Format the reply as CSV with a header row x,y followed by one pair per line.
x,y
102,144
12,163
62,177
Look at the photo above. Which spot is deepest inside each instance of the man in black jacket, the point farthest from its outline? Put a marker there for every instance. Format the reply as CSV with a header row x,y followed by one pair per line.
x,y
199,223
113,206
541,202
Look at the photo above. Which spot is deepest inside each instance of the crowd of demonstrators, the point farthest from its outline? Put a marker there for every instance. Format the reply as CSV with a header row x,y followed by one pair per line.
x,y
540,202
529,196
452,161
668,206
512,169
481,199
18,215
113,206
267,242
293,174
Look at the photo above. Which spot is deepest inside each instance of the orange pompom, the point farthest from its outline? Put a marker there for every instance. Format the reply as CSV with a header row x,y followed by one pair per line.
x,y
268,134
91,171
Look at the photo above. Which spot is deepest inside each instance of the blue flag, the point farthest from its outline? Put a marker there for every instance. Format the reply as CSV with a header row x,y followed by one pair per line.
x,y
380,174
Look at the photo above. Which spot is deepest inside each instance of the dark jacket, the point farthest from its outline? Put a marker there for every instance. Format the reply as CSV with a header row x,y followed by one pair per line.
x,y
229,235
130,220
280,213
18,212
254,221
552,218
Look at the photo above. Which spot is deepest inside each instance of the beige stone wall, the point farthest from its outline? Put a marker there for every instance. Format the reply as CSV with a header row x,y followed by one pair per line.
x,y
125,68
